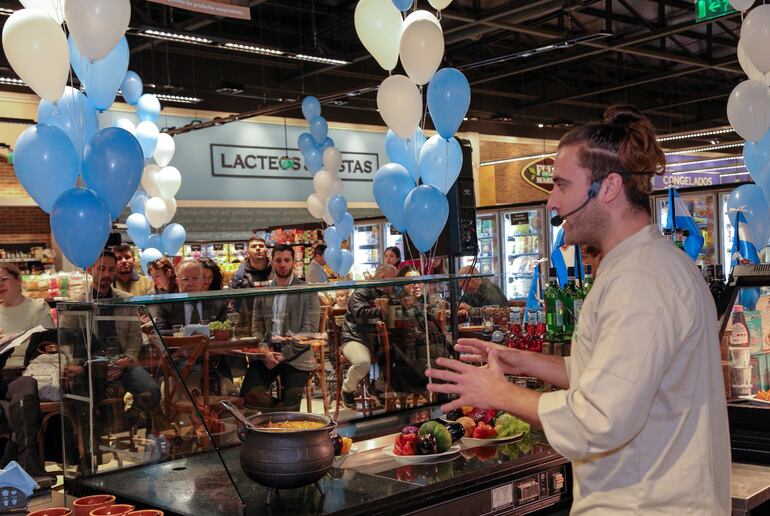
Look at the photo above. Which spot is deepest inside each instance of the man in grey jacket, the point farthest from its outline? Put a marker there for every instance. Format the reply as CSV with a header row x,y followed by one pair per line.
x,y
276,316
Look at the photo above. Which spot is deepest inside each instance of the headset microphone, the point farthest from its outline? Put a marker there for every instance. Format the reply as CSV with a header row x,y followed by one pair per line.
x,y
593,190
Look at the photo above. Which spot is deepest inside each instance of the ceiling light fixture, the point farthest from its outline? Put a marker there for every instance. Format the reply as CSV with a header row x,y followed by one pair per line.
x,y
707,149
698,162
12,81
685,136
177,36
5,11
735,174
180,99
711,170
323,60
252,49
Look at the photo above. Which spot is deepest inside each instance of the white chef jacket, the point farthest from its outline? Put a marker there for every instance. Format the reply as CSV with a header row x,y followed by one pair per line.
x,y
644,420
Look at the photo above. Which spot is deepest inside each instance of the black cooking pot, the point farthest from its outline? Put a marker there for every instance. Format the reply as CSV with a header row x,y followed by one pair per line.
x,y
291,458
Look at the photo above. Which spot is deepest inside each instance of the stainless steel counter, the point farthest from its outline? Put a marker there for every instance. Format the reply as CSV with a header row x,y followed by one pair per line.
x,y
750,487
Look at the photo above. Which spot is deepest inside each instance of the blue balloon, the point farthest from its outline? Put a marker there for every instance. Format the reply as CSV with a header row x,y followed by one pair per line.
x,y
149,255
756,156
346,262
331,237
747,298
154,242
112,167
392,183
148,108
449,96
101,79
131,88
426,210
405,152
138,229
333,257
311,108
74,114
305,142
328,143
319,129
403,5
46,163
137,202
81,225
440,162
314,160
344,226
173,238
751,200
147,134
337,207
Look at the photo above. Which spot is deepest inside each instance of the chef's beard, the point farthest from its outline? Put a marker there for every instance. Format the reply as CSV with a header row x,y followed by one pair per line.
x,y
587,226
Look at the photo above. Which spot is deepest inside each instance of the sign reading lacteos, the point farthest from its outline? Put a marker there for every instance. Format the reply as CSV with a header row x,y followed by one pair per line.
x,y
539,173
277,162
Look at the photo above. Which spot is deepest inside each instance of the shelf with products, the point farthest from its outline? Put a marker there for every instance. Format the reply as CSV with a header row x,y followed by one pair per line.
x,y
52,286
517,235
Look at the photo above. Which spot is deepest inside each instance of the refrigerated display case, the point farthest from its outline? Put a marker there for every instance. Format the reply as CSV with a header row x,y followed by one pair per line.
x,y
367,249
703,208
488,258
726,242
392,238
524,242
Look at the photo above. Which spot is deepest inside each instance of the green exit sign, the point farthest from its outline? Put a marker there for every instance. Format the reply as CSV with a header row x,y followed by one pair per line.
x,y
708,9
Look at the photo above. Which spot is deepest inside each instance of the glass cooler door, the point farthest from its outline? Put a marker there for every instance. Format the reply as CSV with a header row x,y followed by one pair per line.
x,y
391,238
523,244
488,258
367,253
702,207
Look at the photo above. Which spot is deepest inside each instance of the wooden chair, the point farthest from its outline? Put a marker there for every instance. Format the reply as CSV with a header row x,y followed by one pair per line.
x,y
319,373
335,337
405,399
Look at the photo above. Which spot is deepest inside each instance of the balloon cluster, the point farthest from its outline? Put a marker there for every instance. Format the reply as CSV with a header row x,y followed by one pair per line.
x,y
66,143
411,190
323,161
748,110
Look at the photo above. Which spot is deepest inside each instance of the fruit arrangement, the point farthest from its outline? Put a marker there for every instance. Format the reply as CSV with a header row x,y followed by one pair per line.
x,y
487,423
763,395
342,445
430,438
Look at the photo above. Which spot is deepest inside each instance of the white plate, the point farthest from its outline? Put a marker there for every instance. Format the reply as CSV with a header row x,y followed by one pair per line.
x,y
470,441
421,459
753,397
353,449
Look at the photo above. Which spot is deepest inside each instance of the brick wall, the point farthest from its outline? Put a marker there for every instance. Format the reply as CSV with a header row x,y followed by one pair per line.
x,y
509,185
24,224
9,185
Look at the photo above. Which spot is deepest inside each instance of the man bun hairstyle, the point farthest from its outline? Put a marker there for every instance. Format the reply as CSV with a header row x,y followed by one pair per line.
x,y
624,141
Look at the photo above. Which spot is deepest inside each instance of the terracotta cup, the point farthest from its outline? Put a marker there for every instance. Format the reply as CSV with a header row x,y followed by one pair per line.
x,y
146,512
84,505
118,509
52,511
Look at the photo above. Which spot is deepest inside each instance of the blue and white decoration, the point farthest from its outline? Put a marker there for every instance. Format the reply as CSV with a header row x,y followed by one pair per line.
x,y
679,217
323,160
82,176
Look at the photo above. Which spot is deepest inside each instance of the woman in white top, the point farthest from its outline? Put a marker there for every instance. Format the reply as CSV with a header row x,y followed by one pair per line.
x,y
18,397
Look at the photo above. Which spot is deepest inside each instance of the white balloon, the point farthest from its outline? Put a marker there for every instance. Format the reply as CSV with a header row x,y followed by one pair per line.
x,y
748,110
164,151
36,48
741,5
439,4
421,15
328,218
155,211
170,209
125,123
149,180
421,50
53,8
336,188
315,206
332,159
97,25
323,183
378,25
400,105
755,35
168,181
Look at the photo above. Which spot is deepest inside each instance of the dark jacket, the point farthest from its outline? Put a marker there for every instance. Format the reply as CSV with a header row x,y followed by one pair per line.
x,y
488,294
246,277
361,317
167,315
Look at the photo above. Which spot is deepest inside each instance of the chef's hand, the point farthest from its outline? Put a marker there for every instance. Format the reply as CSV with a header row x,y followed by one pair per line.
x,y
476,386
477,351
272,359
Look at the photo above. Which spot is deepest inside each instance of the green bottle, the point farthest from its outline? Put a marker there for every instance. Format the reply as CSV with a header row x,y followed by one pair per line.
x,y
568,296
554,307
588,280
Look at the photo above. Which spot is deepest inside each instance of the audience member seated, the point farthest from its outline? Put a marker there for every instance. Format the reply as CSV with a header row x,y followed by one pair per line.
x,y
256,270
392,256
126,277
278,316
19,398
163,276
315,271
211,275
478,292
359,331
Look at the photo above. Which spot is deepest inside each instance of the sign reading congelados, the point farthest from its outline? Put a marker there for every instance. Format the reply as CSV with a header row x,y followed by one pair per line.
x,y
539,173
687,180
278,162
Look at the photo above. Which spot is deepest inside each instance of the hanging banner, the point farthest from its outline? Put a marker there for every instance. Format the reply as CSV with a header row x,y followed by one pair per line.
x,y
225,8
